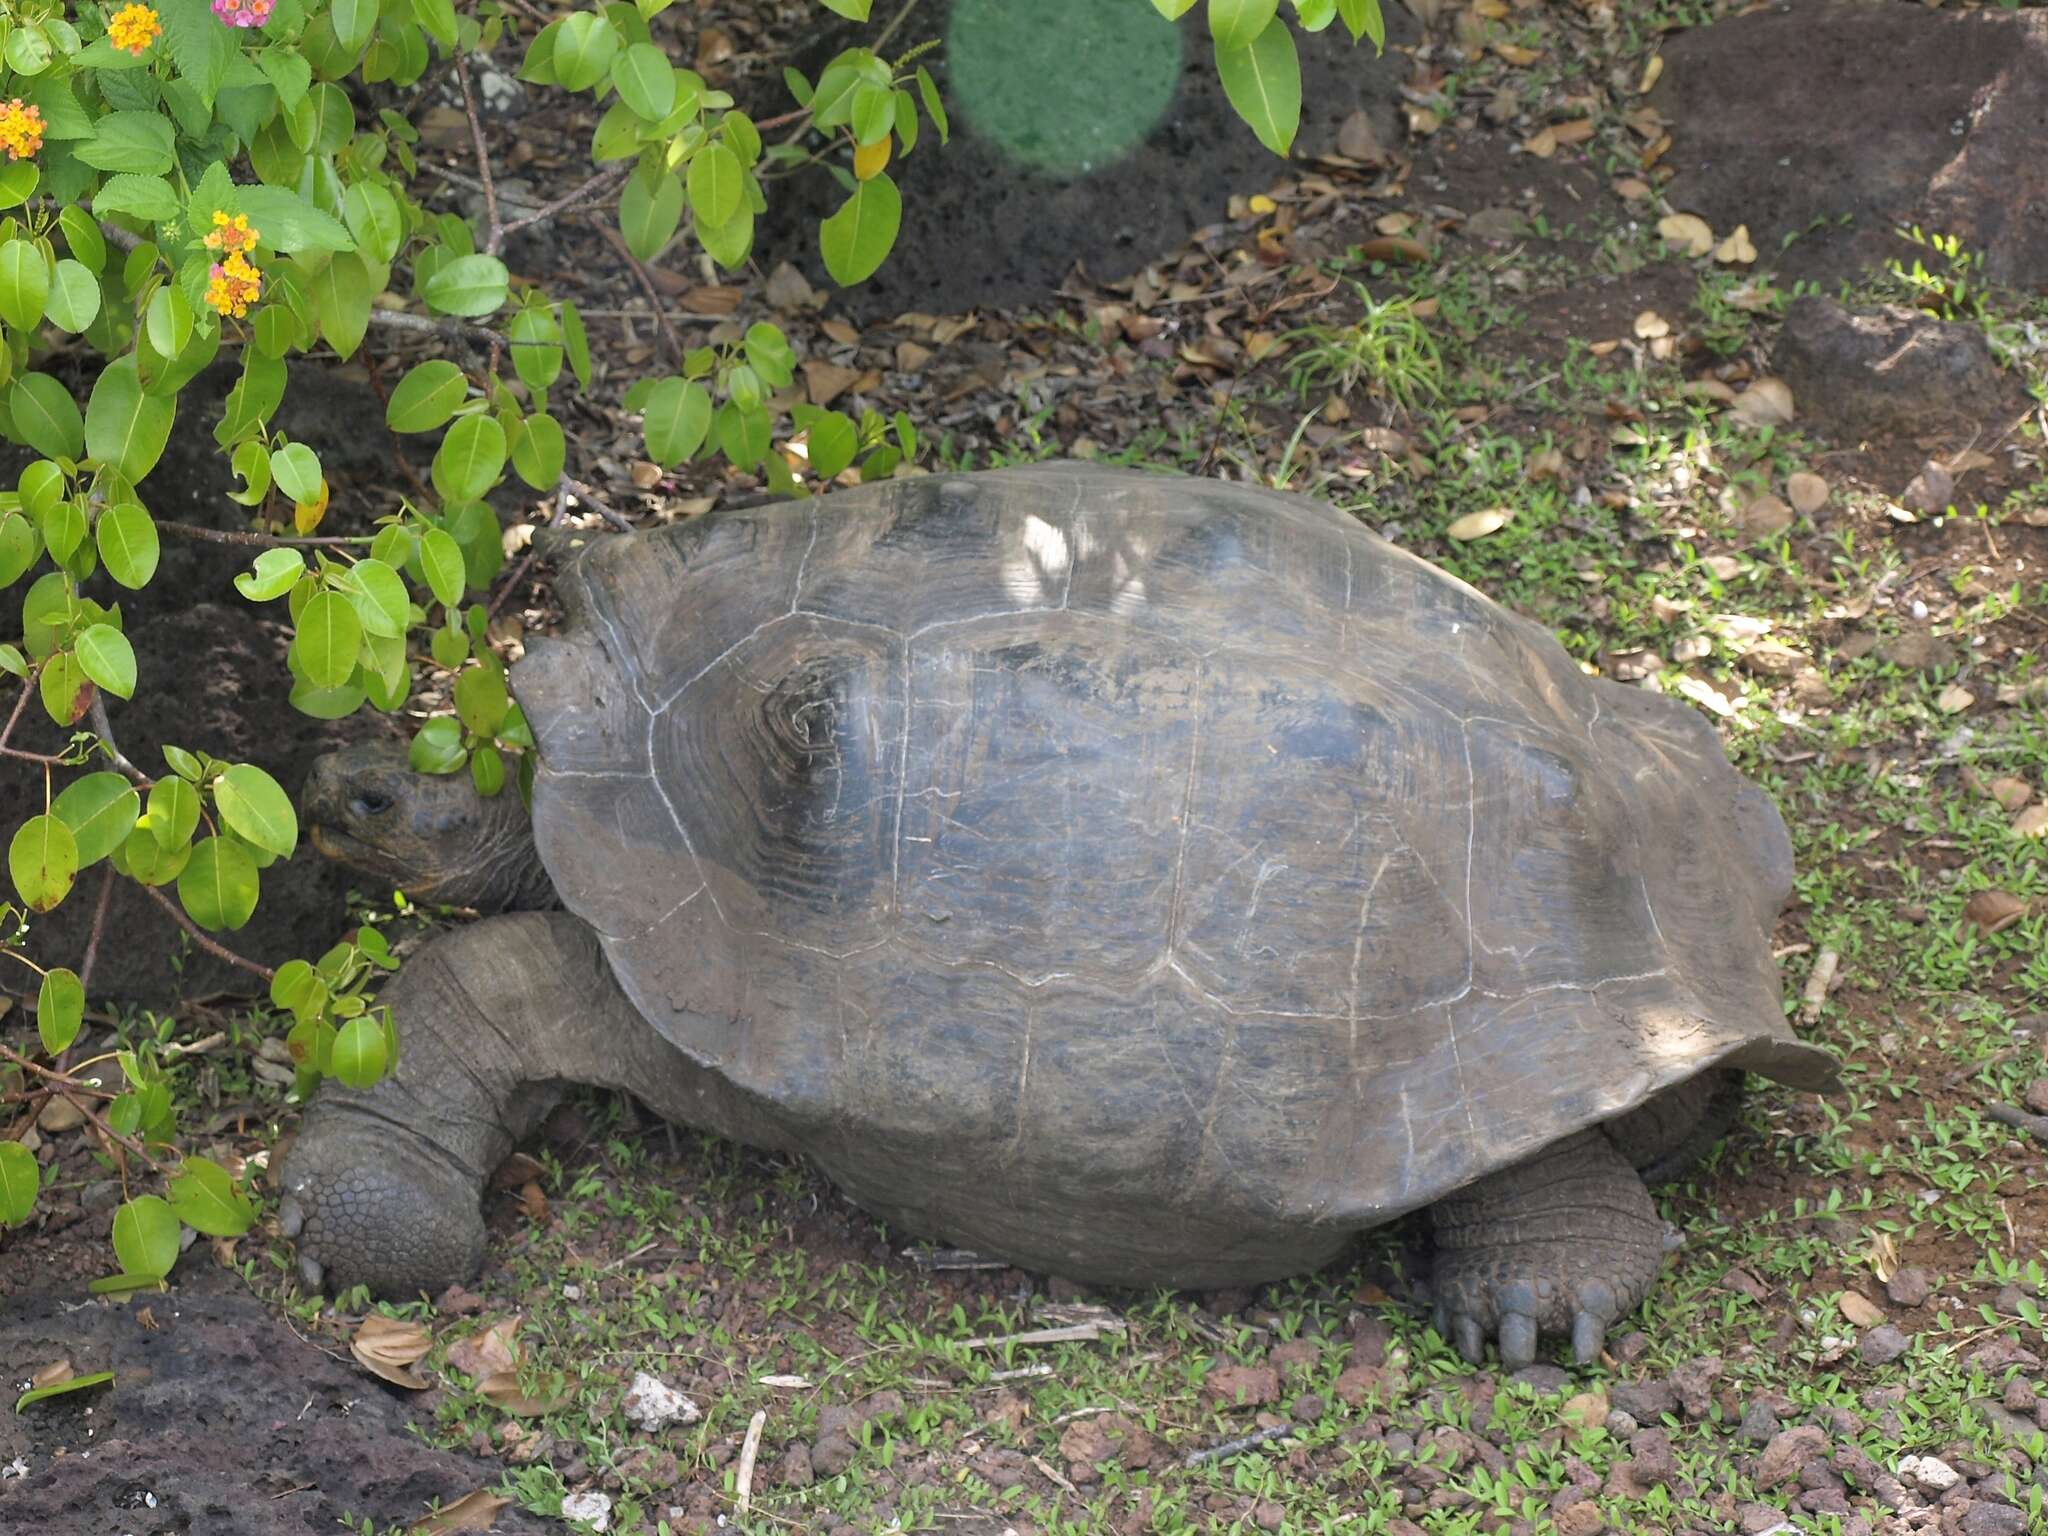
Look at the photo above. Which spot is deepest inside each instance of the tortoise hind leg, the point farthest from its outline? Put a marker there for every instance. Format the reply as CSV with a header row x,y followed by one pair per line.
x,y
1664,1137
1566,1242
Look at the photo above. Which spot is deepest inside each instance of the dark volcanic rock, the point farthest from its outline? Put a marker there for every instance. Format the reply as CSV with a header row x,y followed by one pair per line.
x,y
1864,373
1838,121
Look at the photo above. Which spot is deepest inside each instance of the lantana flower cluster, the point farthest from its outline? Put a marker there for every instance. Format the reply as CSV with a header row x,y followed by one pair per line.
x,y
244,13
134,28
234,284
21,129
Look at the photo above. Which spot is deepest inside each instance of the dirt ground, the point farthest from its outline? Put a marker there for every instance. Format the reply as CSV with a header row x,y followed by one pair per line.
x,y
1479,318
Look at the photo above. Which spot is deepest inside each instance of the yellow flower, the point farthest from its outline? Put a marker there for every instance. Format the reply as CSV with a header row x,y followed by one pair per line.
x,y
235,285
133,29
21,129
231,235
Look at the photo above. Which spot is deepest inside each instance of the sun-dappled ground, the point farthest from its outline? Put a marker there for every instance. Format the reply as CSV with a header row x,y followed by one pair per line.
x,y
1581,407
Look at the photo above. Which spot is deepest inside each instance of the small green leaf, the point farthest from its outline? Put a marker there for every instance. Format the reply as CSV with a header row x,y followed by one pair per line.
x,y
20,1178
60,1009
125,426
276,572
47,417
329,636
76,1383
296,469
649,214
470,459
24,284
74,301
1173,10
256,809
441,557
487,770
470,286
832,442
427,397
858,238
108,659
541,452
676,420
584,48
481,700
43,859
1263,82
716,184
168,321
128,545
205,1199
384,607
218,887
645,81
933,107
146,1236
173,812
577,340
1236,23
437,747
357,1056
101,810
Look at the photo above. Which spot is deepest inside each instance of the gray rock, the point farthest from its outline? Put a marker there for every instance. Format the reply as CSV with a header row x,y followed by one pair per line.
x,y
1857,374
1759,1422
1910,1287
1644,1401
1984,1518
1882,1345
1546,1380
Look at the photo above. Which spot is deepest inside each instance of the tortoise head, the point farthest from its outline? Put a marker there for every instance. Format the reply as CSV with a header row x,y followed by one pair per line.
x,y
430,835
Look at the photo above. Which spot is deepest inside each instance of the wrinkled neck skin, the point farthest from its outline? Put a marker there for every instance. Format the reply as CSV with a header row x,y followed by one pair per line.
x,y
502,873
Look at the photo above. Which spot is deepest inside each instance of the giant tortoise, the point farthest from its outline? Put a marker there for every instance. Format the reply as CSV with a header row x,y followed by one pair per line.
x,y
1145,880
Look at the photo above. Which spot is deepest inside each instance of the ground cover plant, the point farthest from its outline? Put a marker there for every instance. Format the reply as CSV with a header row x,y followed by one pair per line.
x,y
1574,406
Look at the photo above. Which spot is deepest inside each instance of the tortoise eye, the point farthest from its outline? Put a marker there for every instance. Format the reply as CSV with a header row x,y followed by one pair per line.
x,y
370,803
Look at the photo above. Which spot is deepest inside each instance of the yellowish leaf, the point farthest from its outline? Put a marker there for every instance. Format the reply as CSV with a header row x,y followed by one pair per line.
x,y
1261,204
307,515
1517,55
1736,249
870,160
387,1348
1543,144
1650,325
1688,231
476,1511
1651,72
1477,525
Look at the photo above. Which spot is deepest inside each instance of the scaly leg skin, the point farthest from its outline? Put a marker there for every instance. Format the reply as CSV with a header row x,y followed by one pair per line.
x,y
1567,1242
384,1188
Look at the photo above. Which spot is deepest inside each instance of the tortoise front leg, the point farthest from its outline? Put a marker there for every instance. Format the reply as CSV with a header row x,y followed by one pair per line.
x,y
1564,1243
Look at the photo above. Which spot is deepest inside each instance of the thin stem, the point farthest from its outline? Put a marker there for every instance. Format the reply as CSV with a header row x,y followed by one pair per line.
x,y
99,923
71,1091
646,285
495,235
7,733
258,540
218,951
595,187
105,728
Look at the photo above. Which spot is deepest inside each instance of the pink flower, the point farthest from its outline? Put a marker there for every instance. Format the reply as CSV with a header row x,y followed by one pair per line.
x,y
243,13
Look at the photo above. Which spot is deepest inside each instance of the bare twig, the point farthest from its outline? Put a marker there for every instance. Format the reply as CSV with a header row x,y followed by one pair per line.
x,y
99,923
1818,981
105,728
743,1487
494,235
257,540
1242,1443
199,937
2035,1126
597,504
27,686
639,267
74,1093
596,187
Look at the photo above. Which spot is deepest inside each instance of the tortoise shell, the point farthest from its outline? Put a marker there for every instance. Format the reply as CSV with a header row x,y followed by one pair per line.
x,y
1088,864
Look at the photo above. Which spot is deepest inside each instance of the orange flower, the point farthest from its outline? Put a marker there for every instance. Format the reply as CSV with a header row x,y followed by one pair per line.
x,y
235,286
21,129
133,29
231,235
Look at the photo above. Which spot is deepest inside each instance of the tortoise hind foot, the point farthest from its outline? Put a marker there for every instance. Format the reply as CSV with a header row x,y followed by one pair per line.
x,y
368,1203
1565,1243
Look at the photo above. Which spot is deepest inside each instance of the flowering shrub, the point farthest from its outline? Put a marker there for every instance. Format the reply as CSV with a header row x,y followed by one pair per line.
x,y
193,173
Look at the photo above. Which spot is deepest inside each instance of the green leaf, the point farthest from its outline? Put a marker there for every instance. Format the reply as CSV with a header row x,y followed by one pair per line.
x,y
108,659
357,1056
536,343
469,286
487,770
63,528
146,1236
146,197
541,453
481,700
743,434
716,184
354,22
65,689
857,239
933,107
384,607
1173,10
577,340
1263,81
20,1178
437,19
1237,23
296,469
60,1009
1362,18
833,442
470,459
125,426
199,45
76,1383
257,810
43,859
20,544
375,220
288,223
205,1199
426,397
329,637
127,540
137,143
74,301
101,810
676,419
650,214
645,81
173,812
437,748
584,49
24,284
852,10
218,886
287,70
276,572
441,558
341,298
46,416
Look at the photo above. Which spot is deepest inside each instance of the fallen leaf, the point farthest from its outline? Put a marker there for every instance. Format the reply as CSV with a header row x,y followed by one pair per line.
x,y
2011,794
1994,911
644,475
1884,1256
502,1389
1736,249
1394,223
53,1373
710,299
1394,248
476,1511
1517,55
2032,822
1546,464
1477,525
1261,204
714,46
487,1353
1688,231
1807,492
1709,389
1765,516
1706,694
1766,403
1651,71
1577,131
841,332
1650,325
1542,144
533,1203
786,1383
1588,1410
1358,140
1860,1309
1954,699
385,1347
1422,122
825,382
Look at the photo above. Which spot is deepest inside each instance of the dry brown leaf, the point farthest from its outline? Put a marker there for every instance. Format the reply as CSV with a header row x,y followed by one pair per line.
x,y
1357,140
644,475
1765,516
1708,695
1807,492
476,1511
1766,403
2011,794
1422,122
533,1204
1394,248
1517,55
485,1354
714,46
1651,72
1633,189
911,358
1736,250
386,1348
1994,911
1954,699
2031,822
1709,389
1477,525
1657,151
1601,348
1650,325
54,1374
1547,464
1543,144
1688,231
1861,1310
1394,223
503,1390
1577,131
711,299
825,382
840,331
1884,1256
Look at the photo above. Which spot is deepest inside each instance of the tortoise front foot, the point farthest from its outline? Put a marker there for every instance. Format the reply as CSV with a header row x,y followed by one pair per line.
x,y
1566,1243
370,1204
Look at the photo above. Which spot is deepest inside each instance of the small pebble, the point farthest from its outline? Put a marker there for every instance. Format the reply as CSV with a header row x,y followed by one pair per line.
x,y
1759,1422
1621,1425
1910,1287
1929,1473
1881,1346
596,1508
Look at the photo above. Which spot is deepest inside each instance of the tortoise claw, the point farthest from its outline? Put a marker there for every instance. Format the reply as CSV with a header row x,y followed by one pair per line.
x,y
1470,1338
1589,1337
1517,1340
